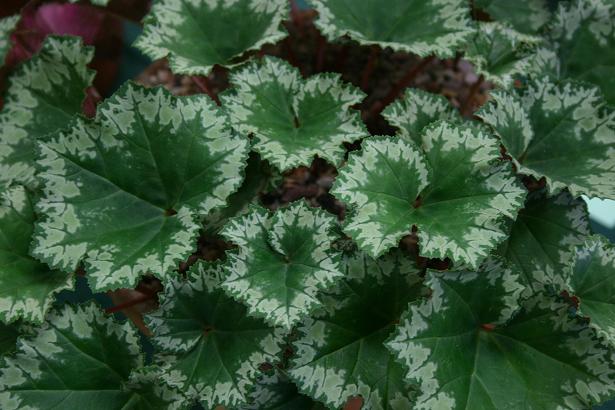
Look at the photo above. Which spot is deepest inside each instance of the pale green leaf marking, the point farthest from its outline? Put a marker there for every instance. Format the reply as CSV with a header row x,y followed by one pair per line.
x,y
340,351
422,27
209,348
197,34
276,392
27,286
7,25
526,16
292,119
123,192
282,262
43,95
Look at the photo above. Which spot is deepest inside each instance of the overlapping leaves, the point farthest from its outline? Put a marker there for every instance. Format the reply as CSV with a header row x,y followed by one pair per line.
x,y
7,25
456,194
124,191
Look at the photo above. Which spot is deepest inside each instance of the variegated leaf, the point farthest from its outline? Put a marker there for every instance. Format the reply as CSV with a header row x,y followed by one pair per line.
x,y
27,286
457,194
421,27
526,16
282,262
416,110
499,53
292,119
562,131
340,352
78,359
468,349
209,348
276,392
123,192
153,393
44,94
7,25
541,242
583,38
592,281
197,34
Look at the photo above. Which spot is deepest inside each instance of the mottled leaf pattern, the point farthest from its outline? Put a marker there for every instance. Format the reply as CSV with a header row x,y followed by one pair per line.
x,y
276,392
563,131
467,348
421,27
457,194
208,347
526,16
282,263
292,119
27,286
197,34
340,351
44,94
123,192
7,25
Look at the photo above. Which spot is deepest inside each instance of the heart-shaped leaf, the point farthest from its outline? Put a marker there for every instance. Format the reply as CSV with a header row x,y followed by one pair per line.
x,y
27,286
562,131
7,25
416,110
526,16
340,352
44,94
457,194
292,119
421,27
209,347
465,350
282,263
197,34
123,192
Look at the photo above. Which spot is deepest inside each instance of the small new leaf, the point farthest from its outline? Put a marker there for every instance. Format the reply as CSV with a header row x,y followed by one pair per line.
x,y
340,352
27,286
292,119
563,131
421,27
282,262
209,348
197,34
123,192
44,94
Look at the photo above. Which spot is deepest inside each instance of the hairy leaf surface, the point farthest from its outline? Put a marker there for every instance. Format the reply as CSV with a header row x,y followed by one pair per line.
x,y
209,347
421,27
282,263
340,351
27,286
43,95
563,131
467,348
292,119
457,194
197,34
123,192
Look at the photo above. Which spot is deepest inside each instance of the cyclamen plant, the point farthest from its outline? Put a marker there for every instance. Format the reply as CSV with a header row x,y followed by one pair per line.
x,y
363,204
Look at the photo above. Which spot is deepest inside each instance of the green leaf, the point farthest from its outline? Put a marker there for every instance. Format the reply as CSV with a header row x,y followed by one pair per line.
x,y
563,131
340,352
123,192
465,351
583,37
421,27
541,240
417,109
592,281
292,119
282,262
7,25
499,53
44,94
197,34
276,392
526,16
77,359
464,192
210,348
8,337
153,393
27,287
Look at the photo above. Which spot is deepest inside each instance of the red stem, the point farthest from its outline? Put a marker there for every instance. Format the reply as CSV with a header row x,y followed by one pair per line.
x,y
130,303
369,67
203,84
466,109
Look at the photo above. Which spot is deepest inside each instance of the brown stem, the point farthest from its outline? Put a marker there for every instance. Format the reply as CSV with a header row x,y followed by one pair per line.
x,y
466,108
400,86
130,303
205,86
320,53
369,67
